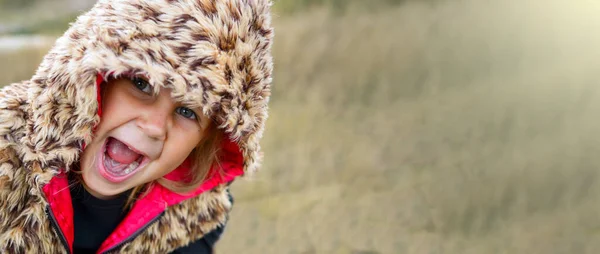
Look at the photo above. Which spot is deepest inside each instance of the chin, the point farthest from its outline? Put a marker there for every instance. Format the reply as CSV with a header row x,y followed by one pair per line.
x,y
100,188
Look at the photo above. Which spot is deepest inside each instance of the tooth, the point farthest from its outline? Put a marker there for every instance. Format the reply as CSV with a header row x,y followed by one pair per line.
x,y
131,167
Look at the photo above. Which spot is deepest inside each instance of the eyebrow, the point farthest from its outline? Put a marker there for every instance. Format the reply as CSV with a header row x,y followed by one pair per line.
x,y
186,101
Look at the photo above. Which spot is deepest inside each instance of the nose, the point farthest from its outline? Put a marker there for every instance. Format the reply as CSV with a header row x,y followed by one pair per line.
x,y
154,122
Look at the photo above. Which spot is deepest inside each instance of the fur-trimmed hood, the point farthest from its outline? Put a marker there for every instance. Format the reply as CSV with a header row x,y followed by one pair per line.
x,y
212,54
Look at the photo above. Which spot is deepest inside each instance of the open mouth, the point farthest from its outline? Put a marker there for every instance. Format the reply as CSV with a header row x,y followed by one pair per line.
x,y
120,161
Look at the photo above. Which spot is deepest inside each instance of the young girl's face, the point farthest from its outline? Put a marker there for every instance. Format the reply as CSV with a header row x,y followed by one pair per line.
x,y
140,138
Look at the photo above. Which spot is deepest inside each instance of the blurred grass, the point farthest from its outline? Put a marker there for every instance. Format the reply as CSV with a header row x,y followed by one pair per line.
x,y
19,65
11,5
425,127
447,127
53,26
300,6
49,17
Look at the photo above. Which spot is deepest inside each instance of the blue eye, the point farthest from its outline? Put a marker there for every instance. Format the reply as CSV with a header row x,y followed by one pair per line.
x,y
142,85
186,112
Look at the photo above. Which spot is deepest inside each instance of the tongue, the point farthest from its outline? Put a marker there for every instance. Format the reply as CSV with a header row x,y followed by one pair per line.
x,y
119,152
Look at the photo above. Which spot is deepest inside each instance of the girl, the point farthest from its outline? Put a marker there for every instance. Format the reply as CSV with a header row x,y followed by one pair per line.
x,y
127,136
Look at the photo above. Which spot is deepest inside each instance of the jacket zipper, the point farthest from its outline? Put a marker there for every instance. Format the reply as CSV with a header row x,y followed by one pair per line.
x,y
135,234
56,227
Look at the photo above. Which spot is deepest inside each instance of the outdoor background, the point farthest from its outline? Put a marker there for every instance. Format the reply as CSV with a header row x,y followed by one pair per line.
x,y
440,126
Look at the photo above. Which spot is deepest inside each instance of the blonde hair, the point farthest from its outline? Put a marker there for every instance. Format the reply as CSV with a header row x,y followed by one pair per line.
x,y
204,157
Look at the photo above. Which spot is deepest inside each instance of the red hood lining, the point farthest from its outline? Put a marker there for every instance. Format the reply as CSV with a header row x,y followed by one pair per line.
x,y
151,205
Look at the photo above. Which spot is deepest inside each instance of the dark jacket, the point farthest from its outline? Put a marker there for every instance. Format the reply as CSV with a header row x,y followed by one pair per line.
x,y
202,246
214,54
206,244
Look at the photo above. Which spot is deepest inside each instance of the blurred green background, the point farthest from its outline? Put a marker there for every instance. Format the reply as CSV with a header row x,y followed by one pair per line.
x,y
440,126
